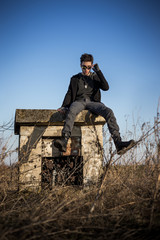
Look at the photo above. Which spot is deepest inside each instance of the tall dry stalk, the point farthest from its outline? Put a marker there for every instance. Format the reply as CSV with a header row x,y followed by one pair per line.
x,y
156,197
122,211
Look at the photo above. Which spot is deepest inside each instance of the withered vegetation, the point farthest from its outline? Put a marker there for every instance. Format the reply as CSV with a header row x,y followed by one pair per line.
x,y
125,204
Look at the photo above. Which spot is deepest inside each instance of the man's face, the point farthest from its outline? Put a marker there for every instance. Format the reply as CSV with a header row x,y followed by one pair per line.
x,y
86,68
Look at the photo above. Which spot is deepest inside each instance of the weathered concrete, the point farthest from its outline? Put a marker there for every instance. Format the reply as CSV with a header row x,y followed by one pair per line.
x,y
41,117
38,130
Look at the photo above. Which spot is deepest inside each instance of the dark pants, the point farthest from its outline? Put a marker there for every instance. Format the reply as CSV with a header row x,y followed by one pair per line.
x,y
95,107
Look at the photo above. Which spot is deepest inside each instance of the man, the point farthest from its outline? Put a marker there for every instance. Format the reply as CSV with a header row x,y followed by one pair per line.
x,y
84,93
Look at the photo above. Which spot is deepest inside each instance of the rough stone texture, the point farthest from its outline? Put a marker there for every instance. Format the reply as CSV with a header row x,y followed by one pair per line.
x,y
29,163
36,136
32,117
92,152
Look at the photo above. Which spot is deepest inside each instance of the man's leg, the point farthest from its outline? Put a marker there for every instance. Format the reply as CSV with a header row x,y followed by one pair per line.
x,y
100,109
75,108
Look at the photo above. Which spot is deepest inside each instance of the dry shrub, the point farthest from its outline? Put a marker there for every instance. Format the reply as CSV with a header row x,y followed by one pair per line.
x,y
121,212
123,209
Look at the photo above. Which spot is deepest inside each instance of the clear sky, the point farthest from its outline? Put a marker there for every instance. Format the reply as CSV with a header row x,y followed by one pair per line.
x,y
41,42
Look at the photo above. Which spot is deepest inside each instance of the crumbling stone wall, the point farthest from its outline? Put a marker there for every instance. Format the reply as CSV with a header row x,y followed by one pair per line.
x,y
37,131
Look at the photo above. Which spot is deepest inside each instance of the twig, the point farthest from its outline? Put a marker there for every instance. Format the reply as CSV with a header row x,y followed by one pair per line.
x,y
100,190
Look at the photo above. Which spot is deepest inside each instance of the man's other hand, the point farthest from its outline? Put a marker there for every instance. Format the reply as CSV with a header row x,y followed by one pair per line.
x,y
95,67
62,110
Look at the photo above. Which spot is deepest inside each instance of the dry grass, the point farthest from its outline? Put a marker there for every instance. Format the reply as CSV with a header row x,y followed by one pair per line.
x,y
127,208
122,212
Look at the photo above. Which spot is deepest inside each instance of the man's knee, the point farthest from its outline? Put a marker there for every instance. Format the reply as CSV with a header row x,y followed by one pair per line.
x,y
74,109
109,113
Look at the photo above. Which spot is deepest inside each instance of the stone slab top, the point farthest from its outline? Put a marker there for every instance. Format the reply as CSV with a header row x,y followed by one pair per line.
x,y
44,117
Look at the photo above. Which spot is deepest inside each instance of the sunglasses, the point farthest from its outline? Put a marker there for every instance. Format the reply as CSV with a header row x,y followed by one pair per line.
x,y
86,67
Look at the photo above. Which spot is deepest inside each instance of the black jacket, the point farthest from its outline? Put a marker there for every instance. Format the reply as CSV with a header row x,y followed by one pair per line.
x,y
99,83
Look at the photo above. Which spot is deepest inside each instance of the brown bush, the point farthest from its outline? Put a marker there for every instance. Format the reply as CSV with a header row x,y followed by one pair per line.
x,y
124,205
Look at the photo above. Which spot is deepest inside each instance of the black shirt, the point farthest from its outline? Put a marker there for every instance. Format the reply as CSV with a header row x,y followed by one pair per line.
x,y
99,82
85,87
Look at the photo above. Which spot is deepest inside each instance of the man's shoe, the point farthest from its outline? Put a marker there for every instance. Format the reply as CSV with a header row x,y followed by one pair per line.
x,y
61,144
123,147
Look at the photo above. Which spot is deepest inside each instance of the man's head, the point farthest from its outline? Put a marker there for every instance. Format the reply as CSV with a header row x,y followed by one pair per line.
x,y
86,63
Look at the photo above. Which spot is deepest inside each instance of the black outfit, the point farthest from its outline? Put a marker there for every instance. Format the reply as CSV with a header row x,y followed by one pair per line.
x,y
84,93
99,82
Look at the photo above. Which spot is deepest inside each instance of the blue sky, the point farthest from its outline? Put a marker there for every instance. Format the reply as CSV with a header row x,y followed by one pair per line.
x,y
41,42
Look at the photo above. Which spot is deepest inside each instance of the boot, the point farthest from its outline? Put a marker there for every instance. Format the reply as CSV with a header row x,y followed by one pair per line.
x,y
61,144
123,147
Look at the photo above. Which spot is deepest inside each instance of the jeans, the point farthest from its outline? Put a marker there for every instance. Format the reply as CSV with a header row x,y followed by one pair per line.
x,y
97,108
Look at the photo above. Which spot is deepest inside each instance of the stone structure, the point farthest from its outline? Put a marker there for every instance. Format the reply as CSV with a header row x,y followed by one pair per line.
x,y
41,164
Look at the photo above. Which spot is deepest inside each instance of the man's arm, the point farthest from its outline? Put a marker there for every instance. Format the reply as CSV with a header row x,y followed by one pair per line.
x,y
103,84
66,101
67,98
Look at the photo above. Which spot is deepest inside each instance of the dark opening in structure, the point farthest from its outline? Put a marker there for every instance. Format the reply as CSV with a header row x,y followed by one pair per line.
x,y
62,170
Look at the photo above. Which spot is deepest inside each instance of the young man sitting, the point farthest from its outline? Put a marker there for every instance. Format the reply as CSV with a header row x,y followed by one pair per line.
x,y
84,94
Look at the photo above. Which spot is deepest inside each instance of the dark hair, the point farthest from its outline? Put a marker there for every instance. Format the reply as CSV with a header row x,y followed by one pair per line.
x,y
86,58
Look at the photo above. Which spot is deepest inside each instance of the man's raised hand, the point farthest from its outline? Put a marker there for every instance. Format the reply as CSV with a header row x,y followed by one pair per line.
x,y
95,67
